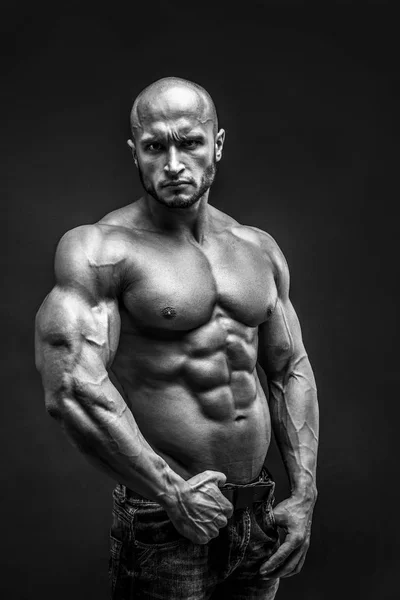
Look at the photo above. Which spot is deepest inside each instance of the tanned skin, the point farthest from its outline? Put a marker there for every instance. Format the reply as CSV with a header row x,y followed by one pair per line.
x,y
149,342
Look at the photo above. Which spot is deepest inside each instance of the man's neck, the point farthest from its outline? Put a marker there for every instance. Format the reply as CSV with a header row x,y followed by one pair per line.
x,y
188,222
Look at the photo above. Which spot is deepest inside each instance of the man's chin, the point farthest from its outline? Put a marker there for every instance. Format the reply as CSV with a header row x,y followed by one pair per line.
x,y
179,200
181,203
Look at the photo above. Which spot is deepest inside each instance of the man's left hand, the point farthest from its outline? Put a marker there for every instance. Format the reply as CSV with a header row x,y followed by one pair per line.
x,y
294,516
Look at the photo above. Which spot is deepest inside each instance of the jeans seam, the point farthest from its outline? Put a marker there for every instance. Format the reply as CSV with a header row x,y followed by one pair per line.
x,y
115,561
245,543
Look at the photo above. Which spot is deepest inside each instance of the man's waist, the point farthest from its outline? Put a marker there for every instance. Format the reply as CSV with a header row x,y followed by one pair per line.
x,y
240,495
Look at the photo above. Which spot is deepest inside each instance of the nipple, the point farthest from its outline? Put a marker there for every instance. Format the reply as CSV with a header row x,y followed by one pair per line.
x,y
168,312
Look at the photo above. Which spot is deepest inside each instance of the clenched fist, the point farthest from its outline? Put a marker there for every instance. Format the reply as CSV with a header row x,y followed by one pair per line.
x,y
200,509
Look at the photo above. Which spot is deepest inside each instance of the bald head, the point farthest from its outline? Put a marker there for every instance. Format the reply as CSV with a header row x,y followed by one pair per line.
x,y
173,97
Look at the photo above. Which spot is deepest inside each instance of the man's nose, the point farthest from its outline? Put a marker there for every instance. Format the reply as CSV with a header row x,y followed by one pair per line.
x,y
173,165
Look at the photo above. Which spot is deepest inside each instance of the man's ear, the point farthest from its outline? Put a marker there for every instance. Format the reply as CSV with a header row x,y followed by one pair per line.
x,y
219,144
133,148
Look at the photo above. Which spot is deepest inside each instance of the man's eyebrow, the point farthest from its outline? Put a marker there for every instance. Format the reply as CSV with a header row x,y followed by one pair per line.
x,y
192,134
161,136
151,137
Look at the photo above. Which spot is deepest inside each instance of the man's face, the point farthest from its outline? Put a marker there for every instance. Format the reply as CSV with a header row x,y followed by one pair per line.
x,y
176,150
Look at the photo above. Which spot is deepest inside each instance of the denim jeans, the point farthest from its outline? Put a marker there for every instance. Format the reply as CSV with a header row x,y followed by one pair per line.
x,y
150,559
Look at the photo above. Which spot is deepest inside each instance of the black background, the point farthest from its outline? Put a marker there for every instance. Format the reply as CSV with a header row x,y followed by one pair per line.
x,y
309,101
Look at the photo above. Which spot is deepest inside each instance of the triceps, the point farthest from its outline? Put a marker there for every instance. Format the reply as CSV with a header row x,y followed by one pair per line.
x,y
276,342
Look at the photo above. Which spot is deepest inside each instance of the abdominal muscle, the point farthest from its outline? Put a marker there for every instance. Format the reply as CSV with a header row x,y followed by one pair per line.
x,y
199,406
174,423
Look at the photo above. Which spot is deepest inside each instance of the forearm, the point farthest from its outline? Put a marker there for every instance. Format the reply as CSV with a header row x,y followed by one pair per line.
x,y
295,421
99,423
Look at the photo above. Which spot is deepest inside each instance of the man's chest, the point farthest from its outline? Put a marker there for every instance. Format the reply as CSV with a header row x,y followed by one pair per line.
x,y
178,288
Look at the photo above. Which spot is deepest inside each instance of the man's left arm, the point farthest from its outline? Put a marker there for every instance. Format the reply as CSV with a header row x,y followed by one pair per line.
x,y
294,416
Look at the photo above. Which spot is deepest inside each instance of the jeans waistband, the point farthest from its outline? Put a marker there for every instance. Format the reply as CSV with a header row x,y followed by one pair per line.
x,y
245,495
264,478
240,494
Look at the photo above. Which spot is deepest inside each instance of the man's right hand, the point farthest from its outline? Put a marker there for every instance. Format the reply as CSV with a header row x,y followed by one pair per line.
x,y
201,509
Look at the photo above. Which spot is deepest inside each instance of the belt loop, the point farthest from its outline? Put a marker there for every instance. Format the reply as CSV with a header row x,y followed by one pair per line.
x,y
271,496
123,493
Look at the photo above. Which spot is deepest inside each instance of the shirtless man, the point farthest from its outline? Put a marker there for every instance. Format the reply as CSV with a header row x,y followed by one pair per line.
x,y
148,347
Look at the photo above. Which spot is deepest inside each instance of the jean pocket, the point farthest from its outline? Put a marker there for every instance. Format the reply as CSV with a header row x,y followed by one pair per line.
x,y
266,519
153,529
114,561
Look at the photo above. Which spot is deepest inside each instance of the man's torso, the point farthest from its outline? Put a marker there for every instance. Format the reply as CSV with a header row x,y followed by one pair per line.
x,y
187,353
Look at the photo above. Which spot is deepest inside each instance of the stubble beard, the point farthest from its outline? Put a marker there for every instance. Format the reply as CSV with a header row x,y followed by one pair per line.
x,y
177,202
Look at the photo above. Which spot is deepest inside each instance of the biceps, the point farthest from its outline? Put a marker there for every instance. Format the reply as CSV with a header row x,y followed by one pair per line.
x,y
74,338
99,331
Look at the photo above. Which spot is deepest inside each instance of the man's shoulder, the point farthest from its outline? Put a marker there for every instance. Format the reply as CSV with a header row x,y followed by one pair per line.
x,y
263,242
87,243
272,250
91,256
102,241
256,237
248,233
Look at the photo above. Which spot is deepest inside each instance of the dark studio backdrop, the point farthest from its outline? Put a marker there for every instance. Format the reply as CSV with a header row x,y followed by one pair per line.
x,y
309,102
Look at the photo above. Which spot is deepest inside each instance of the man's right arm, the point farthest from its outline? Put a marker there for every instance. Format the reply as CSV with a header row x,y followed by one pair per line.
x,y
77,332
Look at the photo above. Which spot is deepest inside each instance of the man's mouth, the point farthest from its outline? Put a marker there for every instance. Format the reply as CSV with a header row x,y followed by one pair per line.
x,y
179,183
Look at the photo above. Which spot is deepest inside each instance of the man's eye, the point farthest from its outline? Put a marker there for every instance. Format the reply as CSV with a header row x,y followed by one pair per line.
x,y
155,147
190,144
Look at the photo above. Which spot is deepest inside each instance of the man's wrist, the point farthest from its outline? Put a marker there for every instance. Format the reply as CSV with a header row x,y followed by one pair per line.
x,y
305,489
172,488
